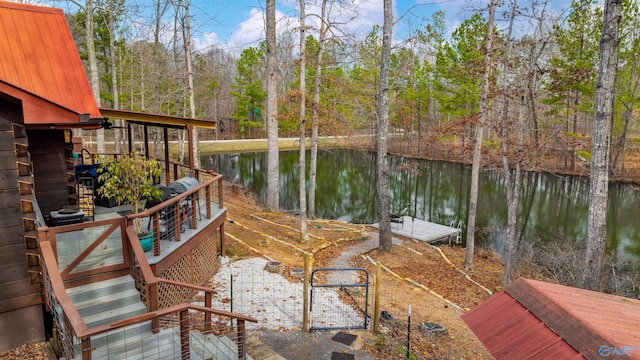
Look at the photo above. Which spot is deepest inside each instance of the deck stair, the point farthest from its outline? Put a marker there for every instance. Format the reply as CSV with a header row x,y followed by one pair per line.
x,y
117,299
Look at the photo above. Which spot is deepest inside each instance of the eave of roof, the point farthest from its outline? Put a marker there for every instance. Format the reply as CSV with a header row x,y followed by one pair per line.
x,y
157,120
40,113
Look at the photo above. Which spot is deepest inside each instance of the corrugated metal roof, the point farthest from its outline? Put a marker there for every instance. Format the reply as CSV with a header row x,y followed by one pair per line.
x,y
538,320
40,65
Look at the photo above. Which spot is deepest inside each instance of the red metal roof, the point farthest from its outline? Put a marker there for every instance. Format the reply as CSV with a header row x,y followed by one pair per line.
x,y
538,320
40,66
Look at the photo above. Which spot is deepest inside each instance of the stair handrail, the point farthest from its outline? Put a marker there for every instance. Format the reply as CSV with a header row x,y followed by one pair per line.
x,y
84,333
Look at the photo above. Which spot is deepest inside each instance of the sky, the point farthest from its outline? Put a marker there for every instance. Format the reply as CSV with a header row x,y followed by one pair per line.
x,y
236,24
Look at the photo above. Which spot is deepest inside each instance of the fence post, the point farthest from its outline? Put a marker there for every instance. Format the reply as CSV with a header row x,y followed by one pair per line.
x,y
305,296
207,315
184,334
376,298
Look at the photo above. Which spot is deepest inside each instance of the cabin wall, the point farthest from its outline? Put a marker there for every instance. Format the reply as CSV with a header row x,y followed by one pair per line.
x,y
21,314
53,168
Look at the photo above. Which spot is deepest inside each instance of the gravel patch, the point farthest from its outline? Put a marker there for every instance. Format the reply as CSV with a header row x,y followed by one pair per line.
x,y
244,287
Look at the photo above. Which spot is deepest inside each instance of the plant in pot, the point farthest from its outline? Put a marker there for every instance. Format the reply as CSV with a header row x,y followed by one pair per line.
x,y
130,179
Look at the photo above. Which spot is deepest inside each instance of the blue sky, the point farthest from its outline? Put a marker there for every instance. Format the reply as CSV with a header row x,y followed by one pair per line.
x,y
236,24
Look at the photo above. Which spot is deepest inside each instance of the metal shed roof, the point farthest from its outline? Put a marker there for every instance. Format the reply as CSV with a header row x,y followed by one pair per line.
x,y
538,320
40,67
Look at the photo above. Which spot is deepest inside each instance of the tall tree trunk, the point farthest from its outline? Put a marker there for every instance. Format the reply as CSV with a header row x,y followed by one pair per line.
x,y
273,160
512,185
160,9
191,90
302,178
477,151
112,8
599,178
386,241
313,160
94,77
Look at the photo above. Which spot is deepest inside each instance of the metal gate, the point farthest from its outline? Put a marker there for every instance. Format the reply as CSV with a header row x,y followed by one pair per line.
x,y
340,300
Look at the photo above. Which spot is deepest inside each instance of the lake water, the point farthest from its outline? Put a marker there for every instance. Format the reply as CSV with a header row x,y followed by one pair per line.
x,y
550,205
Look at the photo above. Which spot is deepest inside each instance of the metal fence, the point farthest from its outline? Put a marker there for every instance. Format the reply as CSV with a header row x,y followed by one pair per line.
x,y
339,299
245,287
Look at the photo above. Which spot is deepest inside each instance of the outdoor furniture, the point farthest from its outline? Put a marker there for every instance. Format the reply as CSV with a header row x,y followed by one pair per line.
x,y
397,219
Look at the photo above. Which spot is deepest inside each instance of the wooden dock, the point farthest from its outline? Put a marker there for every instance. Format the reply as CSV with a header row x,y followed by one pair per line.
x,y
423,230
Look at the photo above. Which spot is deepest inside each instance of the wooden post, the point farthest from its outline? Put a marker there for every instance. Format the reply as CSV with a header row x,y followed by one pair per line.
x,y
207,195
207,315
223,252
167,168
146,141
220,193
130,136
156,234
177,221
376,298
305,296
241,339
194,210
192,160
86,349
184,334
153,298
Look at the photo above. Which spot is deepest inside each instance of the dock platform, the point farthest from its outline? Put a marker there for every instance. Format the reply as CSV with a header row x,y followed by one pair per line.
x,y
423,230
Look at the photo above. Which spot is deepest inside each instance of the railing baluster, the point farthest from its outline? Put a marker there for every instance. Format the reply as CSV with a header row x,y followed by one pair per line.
x,y
156,234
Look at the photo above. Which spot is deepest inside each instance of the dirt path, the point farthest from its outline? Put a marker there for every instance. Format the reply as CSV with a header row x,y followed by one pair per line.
x,y
343,261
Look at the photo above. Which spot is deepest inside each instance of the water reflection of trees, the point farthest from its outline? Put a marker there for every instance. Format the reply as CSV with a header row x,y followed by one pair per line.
x,y
550,206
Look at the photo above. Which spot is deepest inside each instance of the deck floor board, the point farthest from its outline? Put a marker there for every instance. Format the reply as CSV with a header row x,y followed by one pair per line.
x,y
422,230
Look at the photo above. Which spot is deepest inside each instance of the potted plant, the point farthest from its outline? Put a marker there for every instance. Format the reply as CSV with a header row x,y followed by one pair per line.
x,y
130,179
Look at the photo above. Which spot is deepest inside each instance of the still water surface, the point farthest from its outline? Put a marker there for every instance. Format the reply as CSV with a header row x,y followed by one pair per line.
x,y
550,205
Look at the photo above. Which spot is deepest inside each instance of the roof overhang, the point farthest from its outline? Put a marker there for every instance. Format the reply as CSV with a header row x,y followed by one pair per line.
x,y
40,113
166,121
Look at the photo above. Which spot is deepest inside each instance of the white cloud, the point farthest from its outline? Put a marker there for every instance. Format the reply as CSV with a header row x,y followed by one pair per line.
x,y
207,40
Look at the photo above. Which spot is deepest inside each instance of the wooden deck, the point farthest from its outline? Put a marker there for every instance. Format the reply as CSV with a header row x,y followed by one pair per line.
x,y
71,244
423,230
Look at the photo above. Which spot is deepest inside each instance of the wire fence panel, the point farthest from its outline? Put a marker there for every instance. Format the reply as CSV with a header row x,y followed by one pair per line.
x,y
339,305
423,339
245,287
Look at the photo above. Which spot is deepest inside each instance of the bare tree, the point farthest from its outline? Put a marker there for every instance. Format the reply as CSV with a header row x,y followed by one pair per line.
x,y
112,10
94,77
304,236
273,172
186,35
512,184
313,158
477,151
386,241
601,139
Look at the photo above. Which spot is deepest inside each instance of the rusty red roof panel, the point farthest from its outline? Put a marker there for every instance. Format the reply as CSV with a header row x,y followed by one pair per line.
x,y
38,57
509,331
538,320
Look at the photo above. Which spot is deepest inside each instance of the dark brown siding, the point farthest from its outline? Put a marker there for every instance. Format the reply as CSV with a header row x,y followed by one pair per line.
x,y
52,165
20,302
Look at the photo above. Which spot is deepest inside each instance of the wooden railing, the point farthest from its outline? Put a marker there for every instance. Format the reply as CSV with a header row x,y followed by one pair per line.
x,y
182,211
72,326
